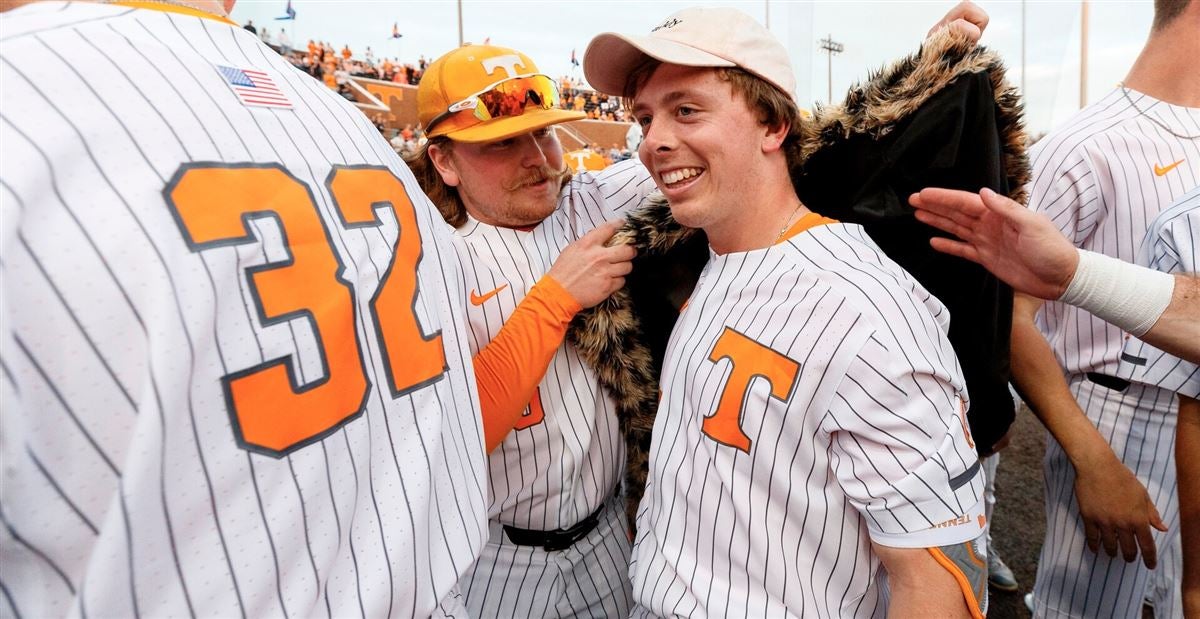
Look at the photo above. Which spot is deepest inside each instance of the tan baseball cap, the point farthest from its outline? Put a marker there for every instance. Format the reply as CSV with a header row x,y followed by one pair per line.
x,y
484,93
695,37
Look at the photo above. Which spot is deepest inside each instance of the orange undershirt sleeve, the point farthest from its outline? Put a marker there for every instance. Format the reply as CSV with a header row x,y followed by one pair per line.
x,y
510,367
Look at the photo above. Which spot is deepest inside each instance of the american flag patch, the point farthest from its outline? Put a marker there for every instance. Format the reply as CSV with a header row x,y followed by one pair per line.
x,y
254,87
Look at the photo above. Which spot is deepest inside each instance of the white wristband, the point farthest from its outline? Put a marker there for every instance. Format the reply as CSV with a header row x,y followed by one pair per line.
x,y
1124,294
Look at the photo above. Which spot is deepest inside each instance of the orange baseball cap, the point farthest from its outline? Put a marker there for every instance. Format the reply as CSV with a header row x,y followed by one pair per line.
x,y
484,93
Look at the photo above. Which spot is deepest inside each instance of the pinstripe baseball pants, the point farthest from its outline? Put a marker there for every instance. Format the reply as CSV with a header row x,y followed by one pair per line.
x,y
589,579
1072,581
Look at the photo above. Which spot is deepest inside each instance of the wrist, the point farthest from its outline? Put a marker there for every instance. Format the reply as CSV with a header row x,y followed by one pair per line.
x,y
1092,456
1126,295
554,294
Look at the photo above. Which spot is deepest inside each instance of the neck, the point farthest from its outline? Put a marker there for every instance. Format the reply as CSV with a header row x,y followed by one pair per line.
x,y
216,7
767,210
1163,69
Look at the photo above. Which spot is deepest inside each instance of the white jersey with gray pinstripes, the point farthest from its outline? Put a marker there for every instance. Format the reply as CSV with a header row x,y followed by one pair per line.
x,y
1102,179
1172,245
856,434
139,475
552,473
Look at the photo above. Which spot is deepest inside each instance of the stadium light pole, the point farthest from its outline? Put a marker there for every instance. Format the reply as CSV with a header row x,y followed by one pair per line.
x,y
1024,95
831,47
460,36
1083,53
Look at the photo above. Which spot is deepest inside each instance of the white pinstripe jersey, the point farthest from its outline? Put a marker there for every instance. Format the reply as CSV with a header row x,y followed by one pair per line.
x,y
202,302
552,473
1172,245
1102,178
762,501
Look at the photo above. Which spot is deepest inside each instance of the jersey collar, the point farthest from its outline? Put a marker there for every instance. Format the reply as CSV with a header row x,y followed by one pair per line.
x,y
173,8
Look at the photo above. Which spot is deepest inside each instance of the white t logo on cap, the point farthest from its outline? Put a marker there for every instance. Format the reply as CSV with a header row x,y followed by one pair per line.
x,y
508,62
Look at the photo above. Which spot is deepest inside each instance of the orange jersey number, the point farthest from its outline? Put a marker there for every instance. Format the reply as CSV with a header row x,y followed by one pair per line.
x,y
213,205
534,414
749,360
413,359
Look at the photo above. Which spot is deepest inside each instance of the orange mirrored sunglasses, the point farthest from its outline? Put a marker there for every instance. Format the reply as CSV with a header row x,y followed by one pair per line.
x,y
507,97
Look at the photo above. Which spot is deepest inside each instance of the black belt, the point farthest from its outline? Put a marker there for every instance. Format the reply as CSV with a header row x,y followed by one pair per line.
x,y
558,539
1110,382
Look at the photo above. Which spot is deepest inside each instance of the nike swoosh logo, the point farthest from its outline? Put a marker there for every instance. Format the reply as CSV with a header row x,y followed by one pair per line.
x,y
481,299
1161,171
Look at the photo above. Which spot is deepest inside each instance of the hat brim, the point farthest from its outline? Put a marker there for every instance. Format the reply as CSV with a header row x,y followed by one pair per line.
x,y
611,57
510,126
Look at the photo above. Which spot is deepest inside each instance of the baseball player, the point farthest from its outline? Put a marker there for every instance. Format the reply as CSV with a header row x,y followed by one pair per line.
x,y
1110,478
812,424
1170,246
531,240
234,377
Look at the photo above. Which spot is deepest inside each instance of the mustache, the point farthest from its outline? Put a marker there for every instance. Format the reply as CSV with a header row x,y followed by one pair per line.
x,y
540,174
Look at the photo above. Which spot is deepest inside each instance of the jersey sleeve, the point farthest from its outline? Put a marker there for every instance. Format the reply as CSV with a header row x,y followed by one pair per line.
x,y
1065,189
901,450
1172,245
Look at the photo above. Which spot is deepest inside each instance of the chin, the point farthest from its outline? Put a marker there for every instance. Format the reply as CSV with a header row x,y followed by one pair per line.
x,y
689,213
534,213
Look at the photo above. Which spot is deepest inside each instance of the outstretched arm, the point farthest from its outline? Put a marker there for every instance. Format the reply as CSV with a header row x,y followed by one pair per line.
x,y
1024,249
1027,251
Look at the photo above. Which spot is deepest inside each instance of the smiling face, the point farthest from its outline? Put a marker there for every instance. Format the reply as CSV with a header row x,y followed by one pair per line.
x,y
512,183
704,146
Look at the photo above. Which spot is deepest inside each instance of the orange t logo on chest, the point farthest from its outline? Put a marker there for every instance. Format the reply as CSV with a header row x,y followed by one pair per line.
x,y
750,360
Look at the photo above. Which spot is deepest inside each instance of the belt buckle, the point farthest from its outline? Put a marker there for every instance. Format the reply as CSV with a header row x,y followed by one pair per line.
x,y
563,539
560,540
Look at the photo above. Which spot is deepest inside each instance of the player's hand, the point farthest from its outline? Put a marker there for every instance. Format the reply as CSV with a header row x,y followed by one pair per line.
x,y
966,18
1019,246
1117,511
589,270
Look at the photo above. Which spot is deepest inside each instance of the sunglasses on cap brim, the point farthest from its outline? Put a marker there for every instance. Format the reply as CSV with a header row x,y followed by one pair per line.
x,y
507,97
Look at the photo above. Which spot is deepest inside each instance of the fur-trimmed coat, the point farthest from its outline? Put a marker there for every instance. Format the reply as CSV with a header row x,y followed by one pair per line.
x,y
942,117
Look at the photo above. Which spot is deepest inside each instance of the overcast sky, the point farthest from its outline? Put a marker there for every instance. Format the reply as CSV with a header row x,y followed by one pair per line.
x,y
873,32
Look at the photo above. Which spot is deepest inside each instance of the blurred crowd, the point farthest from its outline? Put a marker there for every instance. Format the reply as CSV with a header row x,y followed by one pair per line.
x,y
333,66
324,62
597,106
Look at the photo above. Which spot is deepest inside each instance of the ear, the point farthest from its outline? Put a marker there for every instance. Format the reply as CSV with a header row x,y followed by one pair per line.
x,y
773,137
445,164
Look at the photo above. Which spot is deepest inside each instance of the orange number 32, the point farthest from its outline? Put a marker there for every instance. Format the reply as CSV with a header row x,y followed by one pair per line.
x,y
214,203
